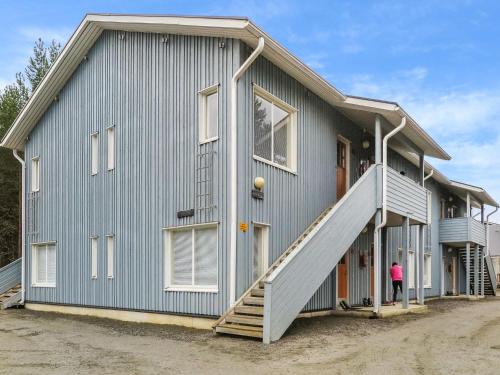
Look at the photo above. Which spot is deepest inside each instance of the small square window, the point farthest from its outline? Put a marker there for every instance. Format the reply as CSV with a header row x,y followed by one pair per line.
x,y
35,174
209,114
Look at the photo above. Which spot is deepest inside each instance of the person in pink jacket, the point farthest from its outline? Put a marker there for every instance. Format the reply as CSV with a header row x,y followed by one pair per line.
x,y
397,280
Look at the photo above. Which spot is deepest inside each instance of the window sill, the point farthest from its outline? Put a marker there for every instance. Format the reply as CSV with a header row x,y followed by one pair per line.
x,y
205,141
195,289
38,285
276,165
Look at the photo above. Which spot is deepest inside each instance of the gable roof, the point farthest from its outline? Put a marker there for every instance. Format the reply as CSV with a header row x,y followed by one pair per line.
x,y
93,25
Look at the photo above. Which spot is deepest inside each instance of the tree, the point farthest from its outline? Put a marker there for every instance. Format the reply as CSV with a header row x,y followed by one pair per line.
x,y
12,99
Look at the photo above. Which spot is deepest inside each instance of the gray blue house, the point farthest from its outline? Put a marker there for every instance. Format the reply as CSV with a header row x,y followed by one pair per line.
x,y
188,169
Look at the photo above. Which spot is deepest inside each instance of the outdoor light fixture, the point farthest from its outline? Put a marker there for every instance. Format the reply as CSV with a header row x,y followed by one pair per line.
x,y
365,143
259,182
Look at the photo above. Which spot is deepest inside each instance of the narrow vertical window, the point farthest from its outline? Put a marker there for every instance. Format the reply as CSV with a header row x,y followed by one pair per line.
x,y
110,249
93,256
111,148
209,114
427,271
35,174
94,153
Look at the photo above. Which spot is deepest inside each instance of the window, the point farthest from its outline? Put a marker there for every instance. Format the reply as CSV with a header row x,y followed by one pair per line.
x,y
209,114
110,249
44,265
111,148
93,256
274,130
94,144
260,251
191,258
35,174
427,271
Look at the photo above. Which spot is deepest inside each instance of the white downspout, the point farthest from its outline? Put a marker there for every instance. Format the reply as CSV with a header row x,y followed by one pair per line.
x,y
376,239
234,166
429,175
23,216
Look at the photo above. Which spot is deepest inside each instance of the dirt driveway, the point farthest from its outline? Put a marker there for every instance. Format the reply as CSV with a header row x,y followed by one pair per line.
x,y
456,337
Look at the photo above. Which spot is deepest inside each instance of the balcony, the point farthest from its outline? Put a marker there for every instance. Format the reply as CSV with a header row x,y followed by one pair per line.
x,y
460,230
406,198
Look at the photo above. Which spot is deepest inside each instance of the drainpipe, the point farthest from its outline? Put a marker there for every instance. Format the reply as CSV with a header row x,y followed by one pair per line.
x,y
429,175
234,165
378,228
23,215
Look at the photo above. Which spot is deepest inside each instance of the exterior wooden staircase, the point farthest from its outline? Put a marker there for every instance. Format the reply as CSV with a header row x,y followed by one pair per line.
x,y
489,288
10,297
245,318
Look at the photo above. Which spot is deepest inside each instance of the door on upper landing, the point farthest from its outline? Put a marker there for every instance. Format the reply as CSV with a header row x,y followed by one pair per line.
x,y
342,166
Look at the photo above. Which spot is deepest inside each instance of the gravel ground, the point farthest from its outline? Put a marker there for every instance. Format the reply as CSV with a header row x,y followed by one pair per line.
x,y
455,337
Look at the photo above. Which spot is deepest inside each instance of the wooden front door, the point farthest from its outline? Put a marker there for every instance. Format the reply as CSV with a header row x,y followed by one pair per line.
x,y
341,169
342,275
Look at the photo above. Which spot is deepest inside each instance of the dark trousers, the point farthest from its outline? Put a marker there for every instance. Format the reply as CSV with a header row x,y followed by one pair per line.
x,y
395,285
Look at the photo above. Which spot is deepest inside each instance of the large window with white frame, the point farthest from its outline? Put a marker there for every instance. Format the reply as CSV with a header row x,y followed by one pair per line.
x,y
35,174
427,271
191,258
274,130
209,114
94,153
93,256
44,265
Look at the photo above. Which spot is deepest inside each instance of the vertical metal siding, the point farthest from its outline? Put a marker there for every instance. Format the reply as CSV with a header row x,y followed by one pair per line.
x,y
148,90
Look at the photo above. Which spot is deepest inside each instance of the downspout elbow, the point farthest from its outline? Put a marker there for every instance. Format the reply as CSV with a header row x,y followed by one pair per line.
x,y
429,175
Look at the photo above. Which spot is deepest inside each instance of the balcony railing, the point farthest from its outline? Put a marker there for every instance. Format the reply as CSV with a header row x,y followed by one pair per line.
x,y
460,230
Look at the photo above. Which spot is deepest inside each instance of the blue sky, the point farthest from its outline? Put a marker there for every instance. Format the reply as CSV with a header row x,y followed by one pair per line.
x,y
438,59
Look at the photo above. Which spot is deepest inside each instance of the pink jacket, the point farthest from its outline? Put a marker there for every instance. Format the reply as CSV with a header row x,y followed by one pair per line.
x,y
396,273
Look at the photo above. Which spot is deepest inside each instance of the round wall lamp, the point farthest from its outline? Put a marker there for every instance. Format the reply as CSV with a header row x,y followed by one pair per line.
x,y
259,182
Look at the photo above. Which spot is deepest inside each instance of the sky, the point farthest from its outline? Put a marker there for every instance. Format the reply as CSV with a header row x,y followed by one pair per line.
x,y
440,60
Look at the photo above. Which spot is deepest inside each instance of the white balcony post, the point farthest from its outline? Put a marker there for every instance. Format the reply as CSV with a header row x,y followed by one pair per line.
x,y
467,269
420,298
481,272
377,251
442,270
406,248
476,271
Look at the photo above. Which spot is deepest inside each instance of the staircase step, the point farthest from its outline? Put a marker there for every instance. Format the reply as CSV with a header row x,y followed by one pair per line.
x,y
249,310
256,301
257,292
256,321
261,284
240,330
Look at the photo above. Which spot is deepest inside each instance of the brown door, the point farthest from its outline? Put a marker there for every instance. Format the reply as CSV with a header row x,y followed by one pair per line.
x,y
341,169
342,278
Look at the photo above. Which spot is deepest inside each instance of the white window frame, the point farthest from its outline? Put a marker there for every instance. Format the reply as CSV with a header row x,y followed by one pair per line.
x,y
168,256
264,228
202,128
35,174
292,142
94,254
94,153
34,265
111,137
428,270
110,255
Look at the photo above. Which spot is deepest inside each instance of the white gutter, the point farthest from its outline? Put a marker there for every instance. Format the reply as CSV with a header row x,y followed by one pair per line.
x,y
234,165
429,175
23,216
487,252
376,237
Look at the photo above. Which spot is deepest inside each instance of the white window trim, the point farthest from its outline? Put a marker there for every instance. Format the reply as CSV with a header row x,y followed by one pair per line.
x,y
94,275
265,243
94,171
429,270
202,126
259,91
111,274
168,255
34,265
111,157
36,159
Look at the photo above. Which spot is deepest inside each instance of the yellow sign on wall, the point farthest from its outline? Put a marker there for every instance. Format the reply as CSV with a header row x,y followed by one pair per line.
x,y
243,227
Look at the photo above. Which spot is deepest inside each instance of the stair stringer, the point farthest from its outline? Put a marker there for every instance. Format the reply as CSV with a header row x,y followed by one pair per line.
x,y
298,277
